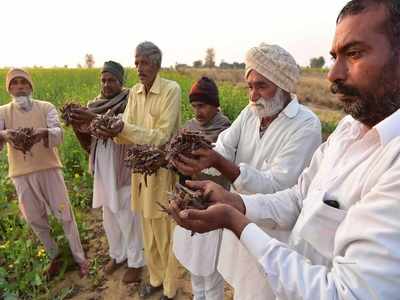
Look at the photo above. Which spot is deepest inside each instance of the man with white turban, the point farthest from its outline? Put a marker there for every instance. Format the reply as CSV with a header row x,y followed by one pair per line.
x,y
264,151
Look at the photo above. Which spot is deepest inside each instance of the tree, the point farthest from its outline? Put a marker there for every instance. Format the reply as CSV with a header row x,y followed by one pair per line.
x,y
197,63
209,61
317,62
89,61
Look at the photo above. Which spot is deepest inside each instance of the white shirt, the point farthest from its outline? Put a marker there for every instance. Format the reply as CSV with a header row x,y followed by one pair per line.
x,y
267,164
274,161
105,189
348,253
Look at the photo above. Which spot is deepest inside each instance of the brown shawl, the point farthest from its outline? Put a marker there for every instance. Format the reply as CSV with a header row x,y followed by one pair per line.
x,y
117,106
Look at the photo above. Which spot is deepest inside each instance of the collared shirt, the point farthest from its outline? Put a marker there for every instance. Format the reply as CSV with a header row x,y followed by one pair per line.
x,y
348,253
151,118
274,161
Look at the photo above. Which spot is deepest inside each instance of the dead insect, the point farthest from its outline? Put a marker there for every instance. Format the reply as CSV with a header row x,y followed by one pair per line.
x,y
66,111
184,143
185,198
145,159
22,139
102,121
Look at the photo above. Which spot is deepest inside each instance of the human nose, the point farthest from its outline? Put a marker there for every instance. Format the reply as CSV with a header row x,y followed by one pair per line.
x,y
338,71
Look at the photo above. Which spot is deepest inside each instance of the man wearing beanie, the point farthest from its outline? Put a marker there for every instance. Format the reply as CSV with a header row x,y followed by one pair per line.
x,y
37,176
112,179
264,151
152,116
199,253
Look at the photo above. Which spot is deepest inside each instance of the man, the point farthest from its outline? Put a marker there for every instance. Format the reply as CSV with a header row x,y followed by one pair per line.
x,y
264,151
37,176
111,187
199,253
152,116
344,210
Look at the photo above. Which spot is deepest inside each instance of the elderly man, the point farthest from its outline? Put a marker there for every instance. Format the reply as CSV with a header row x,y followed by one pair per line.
x,y
199,253
152,116
344,210
37,176
264,151
111,187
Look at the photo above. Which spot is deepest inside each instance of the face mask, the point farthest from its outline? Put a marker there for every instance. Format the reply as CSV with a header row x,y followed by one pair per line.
x,y
23,102
268,107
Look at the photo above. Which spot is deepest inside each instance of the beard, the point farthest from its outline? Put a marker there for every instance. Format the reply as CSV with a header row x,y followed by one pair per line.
x,y
23,102
368,106
264,108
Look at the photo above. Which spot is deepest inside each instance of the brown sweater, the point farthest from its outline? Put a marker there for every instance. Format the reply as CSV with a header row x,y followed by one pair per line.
x,y
40,158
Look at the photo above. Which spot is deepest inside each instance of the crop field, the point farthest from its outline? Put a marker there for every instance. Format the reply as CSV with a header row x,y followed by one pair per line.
x,y
22,258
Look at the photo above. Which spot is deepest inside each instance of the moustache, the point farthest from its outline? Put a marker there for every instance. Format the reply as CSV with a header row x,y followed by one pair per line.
x,y
346,90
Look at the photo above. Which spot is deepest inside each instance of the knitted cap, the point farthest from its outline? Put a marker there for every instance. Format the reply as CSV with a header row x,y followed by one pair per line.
x,y
114,68
204,90
274,63
14,73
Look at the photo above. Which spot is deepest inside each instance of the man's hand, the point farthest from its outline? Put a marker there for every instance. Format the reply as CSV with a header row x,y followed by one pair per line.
x,y
216,216
216,194
8,135
81,116
5,135
41,134
203,159
115,128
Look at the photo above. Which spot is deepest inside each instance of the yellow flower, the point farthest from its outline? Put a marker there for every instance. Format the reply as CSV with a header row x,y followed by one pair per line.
x,y
40,253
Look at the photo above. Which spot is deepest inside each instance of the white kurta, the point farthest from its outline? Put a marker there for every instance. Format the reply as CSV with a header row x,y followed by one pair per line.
x,y
267,164
121,225
348,253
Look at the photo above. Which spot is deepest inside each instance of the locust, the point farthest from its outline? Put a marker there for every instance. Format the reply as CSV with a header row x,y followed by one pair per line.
x,y
145,159
23,139
184,143
185,199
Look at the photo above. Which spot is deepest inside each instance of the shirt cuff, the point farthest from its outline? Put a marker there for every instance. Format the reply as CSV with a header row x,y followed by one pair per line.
x,y
55,136
255,240
239,181
251,208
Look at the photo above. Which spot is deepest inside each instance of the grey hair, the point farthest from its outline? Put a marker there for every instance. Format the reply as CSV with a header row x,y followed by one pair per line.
x,y
151,51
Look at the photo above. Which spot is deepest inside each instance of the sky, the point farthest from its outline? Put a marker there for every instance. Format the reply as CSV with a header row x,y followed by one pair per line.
x,y
60,32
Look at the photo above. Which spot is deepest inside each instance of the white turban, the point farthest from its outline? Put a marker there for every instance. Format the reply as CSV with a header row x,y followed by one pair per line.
x,y
274,63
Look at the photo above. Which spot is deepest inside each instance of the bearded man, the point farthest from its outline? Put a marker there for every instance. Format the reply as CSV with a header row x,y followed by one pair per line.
x,y
344,210
112,179
264,151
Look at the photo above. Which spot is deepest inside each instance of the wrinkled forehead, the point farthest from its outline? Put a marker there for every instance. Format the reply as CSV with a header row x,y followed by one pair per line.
x,y
255,77
367,27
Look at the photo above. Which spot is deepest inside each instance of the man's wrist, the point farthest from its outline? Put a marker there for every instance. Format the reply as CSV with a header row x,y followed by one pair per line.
x,y
236,221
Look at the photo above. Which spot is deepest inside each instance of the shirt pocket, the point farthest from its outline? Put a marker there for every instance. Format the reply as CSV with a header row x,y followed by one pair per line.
x,y
319,224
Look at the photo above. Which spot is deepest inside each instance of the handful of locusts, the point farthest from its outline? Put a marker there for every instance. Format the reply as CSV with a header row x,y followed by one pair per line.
x,y
145,159
102,121
184,143
66,111
185,199
23,139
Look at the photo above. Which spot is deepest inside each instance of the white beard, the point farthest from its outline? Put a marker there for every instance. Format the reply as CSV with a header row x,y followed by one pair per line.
x,y
23,102
268,107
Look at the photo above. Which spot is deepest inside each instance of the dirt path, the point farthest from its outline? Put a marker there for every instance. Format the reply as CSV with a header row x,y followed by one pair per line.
x,y
99,286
